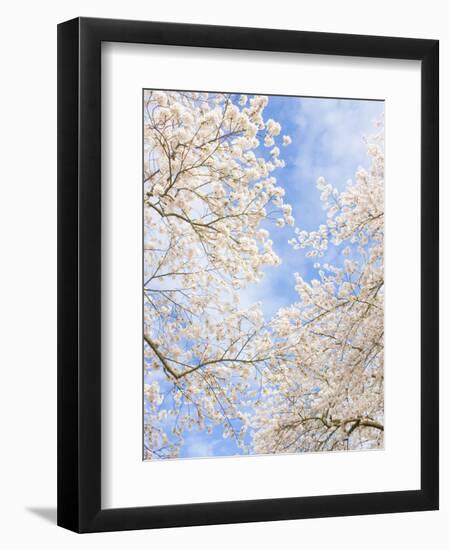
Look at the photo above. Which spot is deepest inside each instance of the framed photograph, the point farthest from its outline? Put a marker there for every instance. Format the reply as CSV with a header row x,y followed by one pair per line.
x,y
237,339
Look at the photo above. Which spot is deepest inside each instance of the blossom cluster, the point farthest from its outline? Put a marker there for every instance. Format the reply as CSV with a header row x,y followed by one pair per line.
x,y
329,378
207,193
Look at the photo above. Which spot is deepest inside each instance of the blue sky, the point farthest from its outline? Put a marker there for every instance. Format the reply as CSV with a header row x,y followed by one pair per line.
x,y
327,140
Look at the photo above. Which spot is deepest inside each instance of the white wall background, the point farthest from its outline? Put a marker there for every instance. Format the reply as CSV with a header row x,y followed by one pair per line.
x,y
28,276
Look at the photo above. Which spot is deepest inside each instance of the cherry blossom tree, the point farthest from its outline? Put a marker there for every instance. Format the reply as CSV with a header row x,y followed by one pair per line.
x,y
311,378
325,384
208,200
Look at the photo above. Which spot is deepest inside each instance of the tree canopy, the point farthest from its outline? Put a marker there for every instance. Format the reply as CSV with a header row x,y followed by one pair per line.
x,y
310,378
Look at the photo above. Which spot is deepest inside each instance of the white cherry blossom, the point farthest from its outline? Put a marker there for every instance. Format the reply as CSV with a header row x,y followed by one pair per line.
x,y
309,379
327,372
206,194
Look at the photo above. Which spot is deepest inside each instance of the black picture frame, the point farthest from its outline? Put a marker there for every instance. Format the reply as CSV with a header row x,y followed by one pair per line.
x,y
79,274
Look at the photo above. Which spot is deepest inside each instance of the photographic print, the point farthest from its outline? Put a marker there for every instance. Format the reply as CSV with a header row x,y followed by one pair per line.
x,y
221,298
263,274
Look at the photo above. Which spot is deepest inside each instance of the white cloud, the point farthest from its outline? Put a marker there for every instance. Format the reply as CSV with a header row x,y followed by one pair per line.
x,y
198,447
